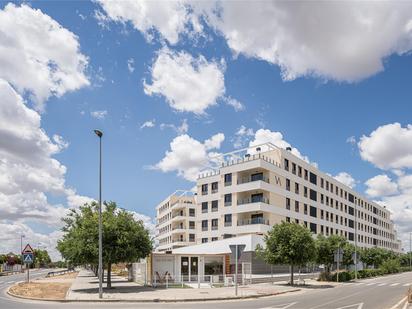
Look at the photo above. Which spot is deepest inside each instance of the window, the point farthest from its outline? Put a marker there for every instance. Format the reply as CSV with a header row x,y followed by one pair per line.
x,y
256,198
214,206
321,214
313,212
321,182
313,195
351,224
228,179
204,240
294,168
305,209
321,198
287,184
228,220
296,206
204,207
192,225
296,188
214,187
215,223
204,225
228,199
313,228
306,174
287,164
288,203
287,219
351,198
305,191
214,238
351,211
192,212
191,237
300,171
313,179
256,177
204,189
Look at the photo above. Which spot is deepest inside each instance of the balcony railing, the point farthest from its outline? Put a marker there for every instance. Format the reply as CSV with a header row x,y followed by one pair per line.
x,y
214,191
228,203
178,228
250,179
253,221
254,200
228,223
178,215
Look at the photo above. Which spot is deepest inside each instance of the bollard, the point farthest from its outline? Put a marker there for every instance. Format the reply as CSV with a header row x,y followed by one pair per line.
x,y
182,280
211,281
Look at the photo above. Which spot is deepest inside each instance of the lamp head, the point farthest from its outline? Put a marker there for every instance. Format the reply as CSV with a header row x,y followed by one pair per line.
x,y
98,133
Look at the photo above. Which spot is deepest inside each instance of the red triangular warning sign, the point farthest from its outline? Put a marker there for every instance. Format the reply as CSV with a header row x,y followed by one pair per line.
x,y
27,249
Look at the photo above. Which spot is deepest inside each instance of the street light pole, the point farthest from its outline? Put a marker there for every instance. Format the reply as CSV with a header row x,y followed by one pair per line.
x,y
21,251
100,271
356,241
410,250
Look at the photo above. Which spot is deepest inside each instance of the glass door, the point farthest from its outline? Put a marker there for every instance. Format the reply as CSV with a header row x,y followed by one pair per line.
x,y
194,268
184,268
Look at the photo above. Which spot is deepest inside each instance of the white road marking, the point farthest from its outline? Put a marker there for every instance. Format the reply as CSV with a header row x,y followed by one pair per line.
x,y
354,306
381,284
372,283
407,284
399,302
395,284
285,306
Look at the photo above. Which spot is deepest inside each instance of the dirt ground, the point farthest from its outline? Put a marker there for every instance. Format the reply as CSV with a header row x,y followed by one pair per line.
x,y
55,290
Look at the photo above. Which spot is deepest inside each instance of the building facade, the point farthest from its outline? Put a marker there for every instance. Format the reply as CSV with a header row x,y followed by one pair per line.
x,y
176,221
255,188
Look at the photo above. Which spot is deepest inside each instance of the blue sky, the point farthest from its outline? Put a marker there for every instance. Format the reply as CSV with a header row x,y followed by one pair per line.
x,y
321,106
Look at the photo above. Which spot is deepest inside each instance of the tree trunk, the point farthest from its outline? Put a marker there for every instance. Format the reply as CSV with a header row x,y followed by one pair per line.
x,y
109,275
291,274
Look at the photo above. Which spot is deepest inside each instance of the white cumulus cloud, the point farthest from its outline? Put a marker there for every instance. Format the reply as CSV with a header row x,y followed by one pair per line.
x,y
189,84
148,124
38,55
187,156
346,179
381,185
343,41
388,147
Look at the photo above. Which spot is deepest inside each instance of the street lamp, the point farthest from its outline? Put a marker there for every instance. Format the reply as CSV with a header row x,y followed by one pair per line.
x,y
410,250
21,251
100,271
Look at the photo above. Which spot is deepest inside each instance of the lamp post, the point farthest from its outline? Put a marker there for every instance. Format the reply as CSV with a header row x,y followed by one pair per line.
x,y
21,250
100,271
356,241
410,250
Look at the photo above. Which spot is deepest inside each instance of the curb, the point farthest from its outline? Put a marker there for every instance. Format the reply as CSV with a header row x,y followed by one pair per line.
x,y
156,300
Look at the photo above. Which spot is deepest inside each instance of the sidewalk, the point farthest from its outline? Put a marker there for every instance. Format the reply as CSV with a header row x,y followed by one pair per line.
x,y
85,288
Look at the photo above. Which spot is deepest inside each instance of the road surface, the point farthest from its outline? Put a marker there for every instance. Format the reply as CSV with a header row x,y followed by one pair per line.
x,y
378,293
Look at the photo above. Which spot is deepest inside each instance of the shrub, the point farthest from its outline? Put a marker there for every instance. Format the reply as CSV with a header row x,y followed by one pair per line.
x,y
343,276
390,266
325,276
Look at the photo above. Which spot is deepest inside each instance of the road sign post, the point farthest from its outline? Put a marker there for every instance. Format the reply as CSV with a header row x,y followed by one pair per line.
x,y
236,253
28,258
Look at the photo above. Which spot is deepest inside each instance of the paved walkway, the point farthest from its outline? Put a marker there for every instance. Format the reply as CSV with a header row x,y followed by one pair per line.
x,y
85,287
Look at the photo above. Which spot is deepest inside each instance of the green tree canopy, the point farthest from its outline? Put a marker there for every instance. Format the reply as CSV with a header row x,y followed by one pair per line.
x,y
288,243
325,249
41,258
376,256
124,238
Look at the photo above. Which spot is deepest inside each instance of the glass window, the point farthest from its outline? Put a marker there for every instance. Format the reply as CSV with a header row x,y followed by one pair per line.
x,y
214,206
228,199
204,189
204,225
287,203
192,212
287,164
287,184
204,240
214,187
313,211
215,224
192,225
204,207
228,220
228,179
313,195
313,178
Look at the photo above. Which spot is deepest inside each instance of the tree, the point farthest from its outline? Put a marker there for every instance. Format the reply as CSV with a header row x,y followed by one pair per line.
x,y
326,247
124,238
348,251
41,258
373,256
288,243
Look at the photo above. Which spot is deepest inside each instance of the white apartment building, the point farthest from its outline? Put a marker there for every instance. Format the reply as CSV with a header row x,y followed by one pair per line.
x,y
254,188
176,221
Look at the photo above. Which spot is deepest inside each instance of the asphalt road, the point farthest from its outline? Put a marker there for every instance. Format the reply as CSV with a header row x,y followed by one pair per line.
x,y
378,293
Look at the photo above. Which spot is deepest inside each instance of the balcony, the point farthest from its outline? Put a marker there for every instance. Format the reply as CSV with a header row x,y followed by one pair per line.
x,y
247,179
253,200
253,221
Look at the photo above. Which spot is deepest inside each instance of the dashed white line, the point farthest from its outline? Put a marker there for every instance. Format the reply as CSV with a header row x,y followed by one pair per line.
x,y
372,283
407,284
381,284
395,284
